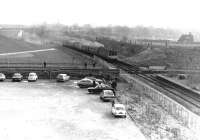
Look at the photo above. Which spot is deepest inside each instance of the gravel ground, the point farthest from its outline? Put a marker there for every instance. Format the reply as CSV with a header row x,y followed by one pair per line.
x,y
154,122
47,110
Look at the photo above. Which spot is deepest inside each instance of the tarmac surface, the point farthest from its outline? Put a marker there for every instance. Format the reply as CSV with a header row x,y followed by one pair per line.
x,y
46,110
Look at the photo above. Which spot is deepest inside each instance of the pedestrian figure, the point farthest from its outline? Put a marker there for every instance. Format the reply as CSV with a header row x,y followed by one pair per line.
x,y
85,65
94,83
94,64
114,84
104,81
45,64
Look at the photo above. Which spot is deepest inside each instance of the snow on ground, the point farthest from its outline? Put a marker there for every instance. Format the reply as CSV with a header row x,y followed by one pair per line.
x,y
47,110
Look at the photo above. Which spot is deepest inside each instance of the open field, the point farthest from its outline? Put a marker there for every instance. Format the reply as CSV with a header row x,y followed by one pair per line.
x,y
8,45
46,110
19,51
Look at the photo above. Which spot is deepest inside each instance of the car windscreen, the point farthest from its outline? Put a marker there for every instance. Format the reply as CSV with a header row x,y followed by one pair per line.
x,y
120,108
61,76
17,74
108,93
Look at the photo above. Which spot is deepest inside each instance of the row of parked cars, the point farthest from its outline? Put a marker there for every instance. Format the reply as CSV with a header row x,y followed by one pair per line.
x,y
107,93
32,76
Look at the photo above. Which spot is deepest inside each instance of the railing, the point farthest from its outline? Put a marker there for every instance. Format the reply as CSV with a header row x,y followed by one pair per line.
x,y
52,69
41,65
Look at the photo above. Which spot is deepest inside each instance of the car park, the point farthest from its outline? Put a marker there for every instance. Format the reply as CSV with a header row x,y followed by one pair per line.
x,y
62,77
107,95
32,76
99,88
17,77
86,83
118,109
2,77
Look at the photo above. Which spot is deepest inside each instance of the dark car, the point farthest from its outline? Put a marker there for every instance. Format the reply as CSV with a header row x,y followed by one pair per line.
x,y
17,77
107,95
99,88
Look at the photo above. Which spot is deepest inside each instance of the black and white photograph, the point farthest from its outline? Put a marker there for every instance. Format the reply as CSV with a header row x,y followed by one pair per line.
x,y
99,70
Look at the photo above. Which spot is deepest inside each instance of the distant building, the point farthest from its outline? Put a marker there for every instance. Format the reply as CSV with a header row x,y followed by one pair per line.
x,y
186,38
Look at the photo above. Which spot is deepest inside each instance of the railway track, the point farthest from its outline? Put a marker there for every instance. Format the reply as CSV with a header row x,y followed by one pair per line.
x,y
189,99
182,95
185,95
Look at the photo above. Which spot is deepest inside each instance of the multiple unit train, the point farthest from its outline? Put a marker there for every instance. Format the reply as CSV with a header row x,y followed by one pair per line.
x,y
91,47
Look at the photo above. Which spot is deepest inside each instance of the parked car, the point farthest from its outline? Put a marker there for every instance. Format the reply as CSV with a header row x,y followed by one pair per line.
x,y
32,77
2,77
62,77
86,83
118,109
99,88
99,81
107,95
17,77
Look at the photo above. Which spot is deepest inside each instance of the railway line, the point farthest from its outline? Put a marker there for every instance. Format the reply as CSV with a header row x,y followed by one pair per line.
x,y
184,96
191,100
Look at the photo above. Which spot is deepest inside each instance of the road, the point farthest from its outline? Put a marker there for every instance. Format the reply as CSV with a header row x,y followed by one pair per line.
x,y
46,110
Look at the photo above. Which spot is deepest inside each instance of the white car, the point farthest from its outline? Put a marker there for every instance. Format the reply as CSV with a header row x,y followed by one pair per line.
x,y
32,76
62,77
86,83
118,110
2,77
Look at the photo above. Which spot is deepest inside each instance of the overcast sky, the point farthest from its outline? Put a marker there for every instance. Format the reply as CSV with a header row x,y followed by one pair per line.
x,y
178,14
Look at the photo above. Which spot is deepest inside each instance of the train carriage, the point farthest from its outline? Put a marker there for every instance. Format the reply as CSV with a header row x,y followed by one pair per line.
x,y
90,47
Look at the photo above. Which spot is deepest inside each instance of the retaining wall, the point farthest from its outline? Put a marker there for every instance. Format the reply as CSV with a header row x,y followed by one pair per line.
x,y
188,118
104,63
51,73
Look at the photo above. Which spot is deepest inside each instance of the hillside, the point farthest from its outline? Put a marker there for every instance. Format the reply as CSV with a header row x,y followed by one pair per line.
x,y
173,57
124,49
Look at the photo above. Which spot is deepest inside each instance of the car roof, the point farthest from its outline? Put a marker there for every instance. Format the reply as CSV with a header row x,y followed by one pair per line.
x,y
107,90
62,74
17,73
32,73
119,105
90,77
86,79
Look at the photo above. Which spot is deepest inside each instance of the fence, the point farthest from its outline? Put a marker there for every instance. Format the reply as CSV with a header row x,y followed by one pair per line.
x,y
52,70
188,118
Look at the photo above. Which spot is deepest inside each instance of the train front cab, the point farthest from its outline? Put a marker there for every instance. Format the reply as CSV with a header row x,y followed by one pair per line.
x,y
112,54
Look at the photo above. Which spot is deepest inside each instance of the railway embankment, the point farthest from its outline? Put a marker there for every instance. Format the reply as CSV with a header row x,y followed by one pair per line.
x,y
188,118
